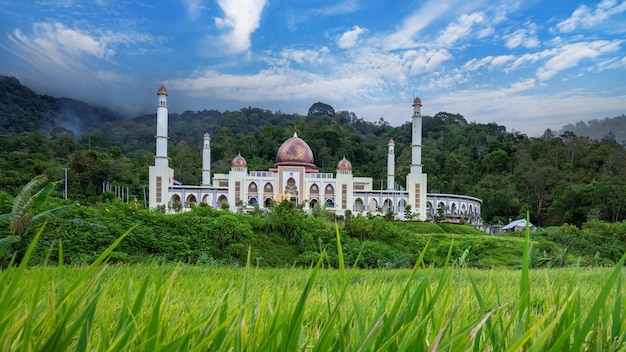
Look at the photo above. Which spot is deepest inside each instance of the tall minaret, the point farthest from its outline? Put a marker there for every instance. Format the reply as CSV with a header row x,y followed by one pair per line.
x,y
206,160
160,158
416,140
416,184
160,174
391,165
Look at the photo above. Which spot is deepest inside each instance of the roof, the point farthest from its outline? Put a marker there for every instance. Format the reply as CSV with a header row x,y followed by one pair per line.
x,y
516,223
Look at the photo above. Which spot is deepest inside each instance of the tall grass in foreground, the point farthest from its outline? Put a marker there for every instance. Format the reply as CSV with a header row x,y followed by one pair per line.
x,y
183,308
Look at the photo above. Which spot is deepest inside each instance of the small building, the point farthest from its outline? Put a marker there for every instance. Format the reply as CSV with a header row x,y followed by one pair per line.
x,y
518,225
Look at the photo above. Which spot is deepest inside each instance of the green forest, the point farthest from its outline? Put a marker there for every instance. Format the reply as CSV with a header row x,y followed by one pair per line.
x,y
558,177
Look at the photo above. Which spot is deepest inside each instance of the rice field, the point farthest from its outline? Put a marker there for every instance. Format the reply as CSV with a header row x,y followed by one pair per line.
x,y
163,307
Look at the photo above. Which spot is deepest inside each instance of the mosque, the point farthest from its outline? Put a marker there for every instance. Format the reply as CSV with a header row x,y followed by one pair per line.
x,y
295,177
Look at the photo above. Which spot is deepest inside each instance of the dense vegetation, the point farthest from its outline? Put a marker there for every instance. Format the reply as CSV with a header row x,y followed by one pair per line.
x,y
182,308
565,178
281,237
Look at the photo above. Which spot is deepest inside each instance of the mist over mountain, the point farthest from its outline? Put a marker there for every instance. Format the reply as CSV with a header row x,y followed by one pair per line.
x,y
23,110
597,129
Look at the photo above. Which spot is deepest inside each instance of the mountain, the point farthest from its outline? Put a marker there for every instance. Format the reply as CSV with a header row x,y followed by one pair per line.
x,y
23,110
597,129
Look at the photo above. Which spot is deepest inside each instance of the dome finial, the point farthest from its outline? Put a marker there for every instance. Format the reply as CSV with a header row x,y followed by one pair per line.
x,y
295,134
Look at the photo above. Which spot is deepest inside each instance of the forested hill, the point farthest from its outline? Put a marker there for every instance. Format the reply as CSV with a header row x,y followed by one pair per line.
x,y
23,110
558,178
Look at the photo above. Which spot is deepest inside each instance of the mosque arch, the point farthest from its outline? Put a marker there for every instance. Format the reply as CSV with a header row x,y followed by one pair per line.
x,y
191,200
267,202
429,208
387,205
252,188
442,209
253,201
268,188
329,190
453,209
329,202
314,190
205,199
359,205
372,205
175,198
401,205
313,202
292,189
221,200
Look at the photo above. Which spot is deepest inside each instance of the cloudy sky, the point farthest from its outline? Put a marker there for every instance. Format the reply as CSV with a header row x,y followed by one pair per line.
x,y
528,65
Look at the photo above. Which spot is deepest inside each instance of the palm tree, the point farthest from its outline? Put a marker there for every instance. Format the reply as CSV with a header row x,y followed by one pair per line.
x,y
27,212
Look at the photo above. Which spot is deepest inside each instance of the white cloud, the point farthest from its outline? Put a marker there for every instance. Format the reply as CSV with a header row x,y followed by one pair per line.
x,y
341,8
194,8
585,17
461,28
303,56
428,60
570,55
55,48
241,19
349,38
405,36
521,37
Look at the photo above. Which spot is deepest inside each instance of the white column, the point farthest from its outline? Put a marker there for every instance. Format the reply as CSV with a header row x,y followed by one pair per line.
x,y
416,140
206,160
391,165
160,158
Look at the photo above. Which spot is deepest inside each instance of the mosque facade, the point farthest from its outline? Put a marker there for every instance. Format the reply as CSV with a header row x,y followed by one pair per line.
x,y
295,177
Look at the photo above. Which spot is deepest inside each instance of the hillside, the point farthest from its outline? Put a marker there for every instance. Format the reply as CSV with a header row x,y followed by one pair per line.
x,y
558,178
23,110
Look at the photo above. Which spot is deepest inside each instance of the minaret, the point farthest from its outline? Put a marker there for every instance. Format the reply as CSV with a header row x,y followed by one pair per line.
x,y
416,180
206,160
160,159
416,140
391,165
160,174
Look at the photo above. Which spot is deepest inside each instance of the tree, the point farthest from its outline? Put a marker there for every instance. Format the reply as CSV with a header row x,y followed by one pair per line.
x,y
28,212
320,108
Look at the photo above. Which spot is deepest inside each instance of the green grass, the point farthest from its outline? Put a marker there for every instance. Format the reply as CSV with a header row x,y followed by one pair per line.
x,y
164,307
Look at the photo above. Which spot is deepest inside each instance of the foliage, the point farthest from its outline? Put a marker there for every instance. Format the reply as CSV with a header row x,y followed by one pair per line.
x,y
27,214
560,178
164,307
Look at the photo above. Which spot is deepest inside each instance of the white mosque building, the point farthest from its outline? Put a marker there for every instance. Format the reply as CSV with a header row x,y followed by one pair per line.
x,y
295,177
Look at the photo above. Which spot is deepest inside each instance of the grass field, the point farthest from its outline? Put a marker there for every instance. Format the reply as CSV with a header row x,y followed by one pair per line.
x,y
165,307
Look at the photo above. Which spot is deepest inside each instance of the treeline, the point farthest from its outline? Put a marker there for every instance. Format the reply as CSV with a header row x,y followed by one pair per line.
x,y
564,178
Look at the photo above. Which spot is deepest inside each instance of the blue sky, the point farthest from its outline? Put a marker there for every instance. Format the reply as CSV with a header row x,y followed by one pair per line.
x,y
528,65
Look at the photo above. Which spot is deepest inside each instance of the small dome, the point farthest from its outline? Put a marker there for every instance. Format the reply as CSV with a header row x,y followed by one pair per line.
x,y
162,90
344,165
391,143
417,101
206,136
295,152
239,161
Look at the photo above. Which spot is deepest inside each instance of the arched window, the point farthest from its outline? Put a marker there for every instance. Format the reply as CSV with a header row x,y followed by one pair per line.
x,y
252,188
329,190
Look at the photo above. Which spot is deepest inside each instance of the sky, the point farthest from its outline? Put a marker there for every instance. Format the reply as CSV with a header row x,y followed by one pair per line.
x,y
527,65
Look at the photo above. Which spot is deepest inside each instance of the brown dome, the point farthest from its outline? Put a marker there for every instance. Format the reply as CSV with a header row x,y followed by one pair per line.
x,y
294,152
162,90
239,161
344,165
417,101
